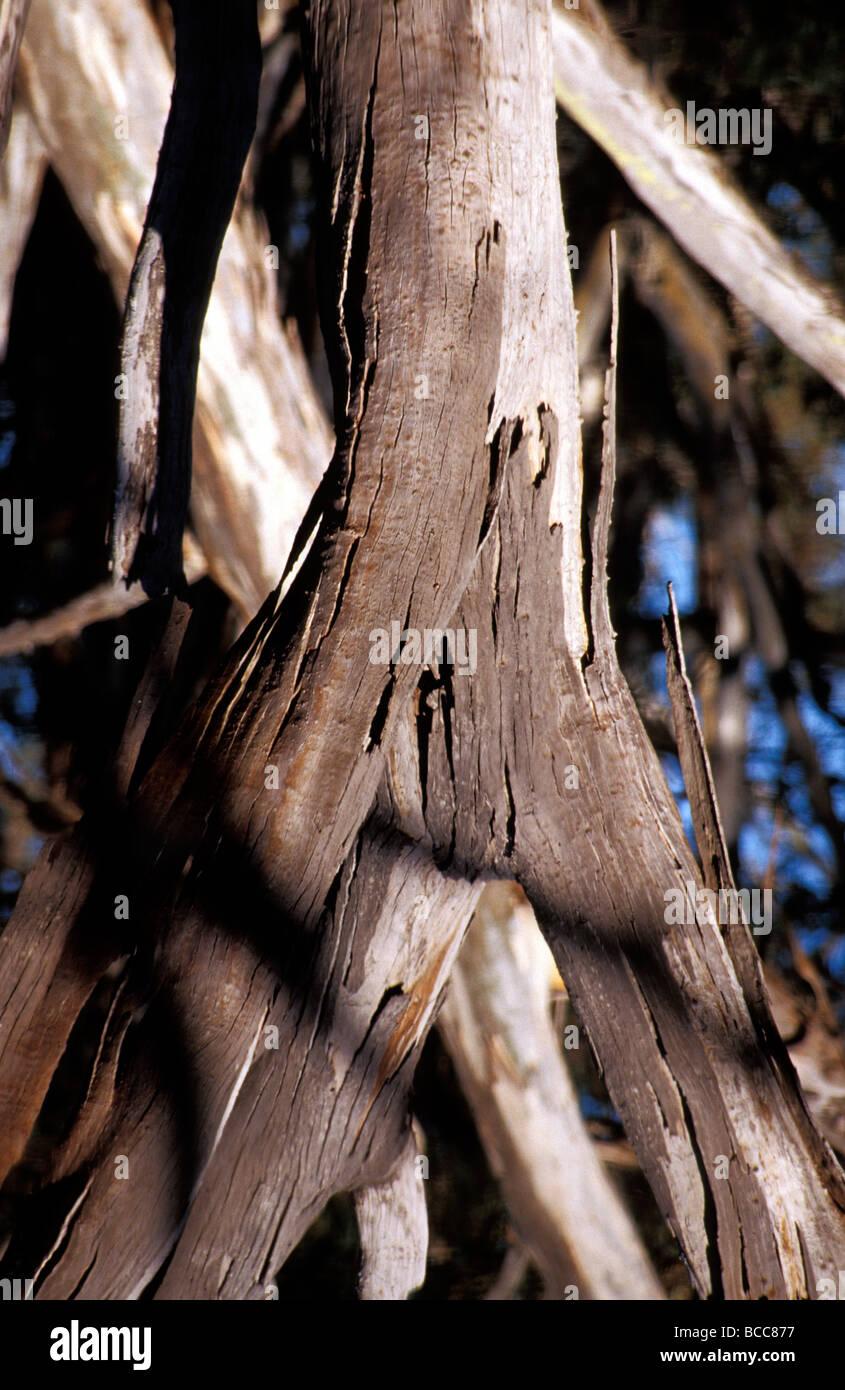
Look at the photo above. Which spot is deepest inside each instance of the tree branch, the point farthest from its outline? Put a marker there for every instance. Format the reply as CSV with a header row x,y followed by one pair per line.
x,y
689,189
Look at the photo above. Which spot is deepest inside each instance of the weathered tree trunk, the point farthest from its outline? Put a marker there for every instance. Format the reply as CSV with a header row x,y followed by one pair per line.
x,y
601,1271
302,857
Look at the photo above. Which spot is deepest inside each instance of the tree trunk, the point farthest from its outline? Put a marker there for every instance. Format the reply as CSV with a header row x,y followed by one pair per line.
x,y
303,855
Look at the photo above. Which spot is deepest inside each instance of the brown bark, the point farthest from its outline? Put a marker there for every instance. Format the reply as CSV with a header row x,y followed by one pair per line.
x,y
471,280
328,905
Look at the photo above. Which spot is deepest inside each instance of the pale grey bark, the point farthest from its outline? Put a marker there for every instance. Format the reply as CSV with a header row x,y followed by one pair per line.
x,y
496,1022
393,1228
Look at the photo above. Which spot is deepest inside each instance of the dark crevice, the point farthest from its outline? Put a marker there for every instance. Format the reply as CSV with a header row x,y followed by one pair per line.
x,y
341,590
447,706
746,1282
320,511
711,1219
485,237
807,1263
510,823
425,718
83,1276
494,606
383,708
354,299
393,992
150,1289
73,1075
516,437
587,585
388,1081
403,635
30,1243
270,1260
499,451
547,431
380,717
342,504
351,868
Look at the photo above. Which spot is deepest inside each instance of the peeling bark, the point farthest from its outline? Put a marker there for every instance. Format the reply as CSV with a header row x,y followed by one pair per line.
x,y
304,854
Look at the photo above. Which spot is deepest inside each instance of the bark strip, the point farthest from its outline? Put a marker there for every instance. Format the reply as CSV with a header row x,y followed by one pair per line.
x,y
97,82
206,140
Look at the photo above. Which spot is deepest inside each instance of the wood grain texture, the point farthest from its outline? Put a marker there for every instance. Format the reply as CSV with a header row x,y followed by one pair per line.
x,y
305,853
